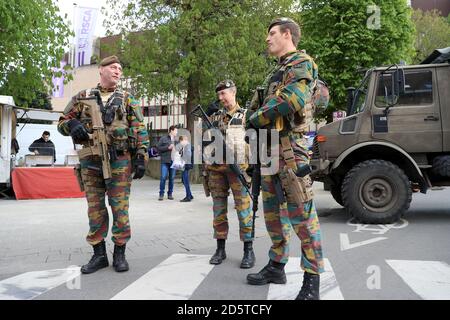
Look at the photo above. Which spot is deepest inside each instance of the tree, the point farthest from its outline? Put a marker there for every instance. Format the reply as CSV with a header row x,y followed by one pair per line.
x,y
432,32
32,41
173,46
346,35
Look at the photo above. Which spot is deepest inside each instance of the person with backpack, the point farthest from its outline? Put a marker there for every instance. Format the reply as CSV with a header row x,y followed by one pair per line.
x,y
287,106
187,155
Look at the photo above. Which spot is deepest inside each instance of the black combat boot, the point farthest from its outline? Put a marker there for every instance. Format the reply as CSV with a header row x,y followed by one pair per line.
x,y
248,260
310,287
220,253
272,272
99,259
120,264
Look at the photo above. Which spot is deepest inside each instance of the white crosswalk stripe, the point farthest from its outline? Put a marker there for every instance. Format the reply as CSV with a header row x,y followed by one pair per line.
x,y
180,275
29,285
176,278
329,288
429,279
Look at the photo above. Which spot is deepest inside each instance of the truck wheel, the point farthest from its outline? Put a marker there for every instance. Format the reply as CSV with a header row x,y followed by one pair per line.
x,y
336,193
376,192
441,166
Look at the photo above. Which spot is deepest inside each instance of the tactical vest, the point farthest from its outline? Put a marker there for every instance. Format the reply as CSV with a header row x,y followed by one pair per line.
x,y
233,131
114,116
300,121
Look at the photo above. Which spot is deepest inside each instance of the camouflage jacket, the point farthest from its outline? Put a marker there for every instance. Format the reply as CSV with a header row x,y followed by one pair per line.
x,y
287,92
127,130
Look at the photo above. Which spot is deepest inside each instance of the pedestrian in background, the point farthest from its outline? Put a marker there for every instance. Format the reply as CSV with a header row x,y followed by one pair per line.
x,y
166,145
186,152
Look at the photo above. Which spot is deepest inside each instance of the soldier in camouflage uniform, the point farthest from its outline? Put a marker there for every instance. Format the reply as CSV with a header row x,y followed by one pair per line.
x,y
287,107
127,141
231,122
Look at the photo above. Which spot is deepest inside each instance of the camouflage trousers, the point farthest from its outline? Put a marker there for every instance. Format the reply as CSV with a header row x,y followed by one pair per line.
x,y
220,181
117,189
281,218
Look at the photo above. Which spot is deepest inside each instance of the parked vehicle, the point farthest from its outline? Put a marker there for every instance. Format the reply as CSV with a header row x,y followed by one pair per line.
x,y
394,141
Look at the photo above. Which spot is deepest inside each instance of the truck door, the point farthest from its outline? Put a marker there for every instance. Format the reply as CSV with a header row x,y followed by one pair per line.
x,y
414,122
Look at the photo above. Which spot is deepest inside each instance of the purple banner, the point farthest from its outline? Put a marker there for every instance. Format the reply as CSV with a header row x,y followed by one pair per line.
x,y
58,82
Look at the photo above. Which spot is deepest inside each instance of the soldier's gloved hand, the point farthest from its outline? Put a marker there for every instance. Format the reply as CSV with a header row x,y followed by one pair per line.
x,y
139,166
77,131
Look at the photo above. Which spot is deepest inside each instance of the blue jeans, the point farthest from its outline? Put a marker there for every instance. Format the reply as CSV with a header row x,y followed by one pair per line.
x,y
166,171
185,180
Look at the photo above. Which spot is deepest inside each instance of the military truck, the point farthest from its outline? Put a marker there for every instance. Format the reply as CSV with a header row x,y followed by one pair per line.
x,y
395,140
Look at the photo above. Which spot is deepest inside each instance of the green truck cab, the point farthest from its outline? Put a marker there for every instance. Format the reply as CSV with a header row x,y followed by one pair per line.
x,y
395,140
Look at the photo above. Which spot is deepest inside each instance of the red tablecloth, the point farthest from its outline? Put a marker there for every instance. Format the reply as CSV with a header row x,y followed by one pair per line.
x,y
45,183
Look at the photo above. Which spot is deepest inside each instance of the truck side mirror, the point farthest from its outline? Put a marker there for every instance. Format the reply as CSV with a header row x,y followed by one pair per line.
x,y
399,82
350,99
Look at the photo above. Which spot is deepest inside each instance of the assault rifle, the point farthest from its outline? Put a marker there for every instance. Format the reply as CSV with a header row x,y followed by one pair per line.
x,y
199,112
99,146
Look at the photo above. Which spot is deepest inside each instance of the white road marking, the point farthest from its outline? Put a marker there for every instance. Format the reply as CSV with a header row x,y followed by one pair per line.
x,y
329,287
29,285
176,278
429,279
346,245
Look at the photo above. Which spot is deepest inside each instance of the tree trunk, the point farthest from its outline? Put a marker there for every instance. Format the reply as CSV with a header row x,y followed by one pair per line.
x,y
192,100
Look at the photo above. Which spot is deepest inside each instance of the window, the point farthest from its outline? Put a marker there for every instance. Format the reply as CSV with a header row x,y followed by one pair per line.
x,y
418,89
360,96
164,110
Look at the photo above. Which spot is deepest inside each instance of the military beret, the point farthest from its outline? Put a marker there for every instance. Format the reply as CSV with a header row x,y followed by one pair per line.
x,y
109,60
280,21
225,84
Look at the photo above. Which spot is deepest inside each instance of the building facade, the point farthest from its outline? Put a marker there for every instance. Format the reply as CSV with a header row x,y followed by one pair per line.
x,y
160,112
425,5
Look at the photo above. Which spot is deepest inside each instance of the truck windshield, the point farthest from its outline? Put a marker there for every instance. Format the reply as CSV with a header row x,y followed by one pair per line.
x,y
360,95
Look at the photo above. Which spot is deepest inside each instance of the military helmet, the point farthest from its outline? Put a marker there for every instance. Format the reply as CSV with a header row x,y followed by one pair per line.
x,y
225,84
280,21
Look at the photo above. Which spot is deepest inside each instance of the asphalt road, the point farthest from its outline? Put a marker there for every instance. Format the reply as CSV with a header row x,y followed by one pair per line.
x,y
42,246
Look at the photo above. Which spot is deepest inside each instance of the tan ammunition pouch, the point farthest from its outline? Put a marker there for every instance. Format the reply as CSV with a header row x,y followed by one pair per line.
x,y
302,121
86,152
298,189
77,171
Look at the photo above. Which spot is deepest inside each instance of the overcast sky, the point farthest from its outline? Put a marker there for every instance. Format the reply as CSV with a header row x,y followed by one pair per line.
x,y
67,7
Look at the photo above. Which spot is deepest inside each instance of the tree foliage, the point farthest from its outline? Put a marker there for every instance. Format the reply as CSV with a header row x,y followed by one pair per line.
x,y
346,35
32,41
432,32
191,45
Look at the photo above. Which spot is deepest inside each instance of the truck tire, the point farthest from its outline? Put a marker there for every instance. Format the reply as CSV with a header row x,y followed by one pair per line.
x,y
335,191
376,192
441,166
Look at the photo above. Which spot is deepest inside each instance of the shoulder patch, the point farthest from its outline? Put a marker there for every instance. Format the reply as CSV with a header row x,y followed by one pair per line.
x,y
303,71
